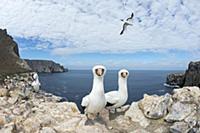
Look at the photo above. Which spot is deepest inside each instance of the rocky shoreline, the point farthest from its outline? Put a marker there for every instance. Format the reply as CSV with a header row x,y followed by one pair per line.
x,y
25,111
191,77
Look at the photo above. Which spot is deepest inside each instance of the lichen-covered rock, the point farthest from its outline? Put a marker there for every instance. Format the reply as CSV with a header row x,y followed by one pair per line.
x,y
139,131
187,95
3,92
179,111
162,129
155,107
47,130
41,112
9,56
179,127
136,115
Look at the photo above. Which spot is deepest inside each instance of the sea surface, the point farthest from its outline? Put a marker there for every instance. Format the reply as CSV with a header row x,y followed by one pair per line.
x,y
75,84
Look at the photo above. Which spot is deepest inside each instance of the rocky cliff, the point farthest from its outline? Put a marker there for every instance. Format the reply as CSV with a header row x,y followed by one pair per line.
x,y
45,66
192,74
22,110
191,77
10,61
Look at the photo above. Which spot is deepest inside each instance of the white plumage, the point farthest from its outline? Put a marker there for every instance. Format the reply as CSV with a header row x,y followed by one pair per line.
x,y
36,83
95,101
126,23
118,98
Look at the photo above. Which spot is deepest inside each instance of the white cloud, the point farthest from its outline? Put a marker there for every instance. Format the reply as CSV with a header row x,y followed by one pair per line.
x,y
93,26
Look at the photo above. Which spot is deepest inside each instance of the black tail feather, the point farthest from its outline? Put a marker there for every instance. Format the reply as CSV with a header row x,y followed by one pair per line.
x,y
109,104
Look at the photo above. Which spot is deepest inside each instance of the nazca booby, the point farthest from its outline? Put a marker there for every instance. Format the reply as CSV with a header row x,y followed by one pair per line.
x,y
116,99
36,83
95,101
127,22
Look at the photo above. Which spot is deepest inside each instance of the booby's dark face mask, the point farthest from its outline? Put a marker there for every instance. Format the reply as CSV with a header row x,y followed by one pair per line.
x,y
99,71
124,74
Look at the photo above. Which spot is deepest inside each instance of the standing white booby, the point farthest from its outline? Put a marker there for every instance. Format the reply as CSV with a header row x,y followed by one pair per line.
x,y
116,99
126,23
95,101
36,83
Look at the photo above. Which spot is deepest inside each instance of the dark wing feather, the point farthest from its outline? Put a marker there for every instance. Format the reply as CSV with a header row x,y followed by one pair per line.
x,y
130,17
83,109
109,104
124,28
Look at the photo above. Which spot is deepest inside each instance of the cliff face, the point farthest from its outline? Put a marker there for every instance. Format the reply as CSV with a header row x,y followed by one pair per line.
x,y
191,77
45,66
9,56
192,74
176,79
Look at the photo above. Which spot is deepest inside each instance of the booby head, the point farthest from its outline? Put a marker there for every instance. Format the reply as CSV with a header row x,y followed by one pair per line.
x,y
99,70
35,76
123,73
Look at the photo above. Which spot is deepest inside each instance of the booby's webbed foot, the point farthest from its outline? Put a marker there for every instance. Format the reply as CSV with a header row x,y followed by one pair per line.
x,y
89,121
100,120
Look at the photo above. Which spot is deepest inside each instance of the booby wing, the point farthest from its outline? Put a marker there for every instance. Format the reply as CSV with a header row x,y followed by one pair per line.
x,y
112,98
124,28
85,101
132,15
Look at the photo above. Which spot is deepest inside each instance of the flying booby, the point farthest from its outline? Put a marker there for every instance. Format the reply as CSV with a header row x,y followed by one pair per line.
x,y
95,101
127,22
116,99
36,83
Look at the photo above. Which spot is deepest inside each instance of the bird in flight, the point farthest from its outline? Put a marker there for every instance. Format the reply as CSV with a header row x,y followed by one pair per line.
x,y
127,22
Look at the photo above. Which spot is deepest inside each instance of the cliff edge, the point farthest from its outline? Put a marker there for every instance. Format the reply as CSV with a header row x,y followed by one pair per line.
x,y
9,56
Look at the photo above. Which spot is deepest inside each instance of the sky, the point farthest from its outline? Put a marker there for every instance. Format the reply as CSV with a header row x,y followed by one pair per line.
x,y
82,33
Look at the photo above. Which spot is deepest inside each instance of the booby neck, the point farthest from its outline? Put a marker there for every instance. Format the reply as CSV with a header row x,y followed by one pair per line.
x,y
98,84
122,84
98,76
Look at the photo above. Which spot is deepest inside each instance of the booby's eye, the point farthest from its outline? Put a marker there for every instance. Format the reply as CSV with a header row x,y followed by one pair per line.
x,y
102,71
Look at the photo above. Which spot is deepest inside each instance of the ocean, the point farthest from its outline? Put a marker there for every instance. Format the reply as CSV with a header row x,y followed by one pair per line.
x,y
75,84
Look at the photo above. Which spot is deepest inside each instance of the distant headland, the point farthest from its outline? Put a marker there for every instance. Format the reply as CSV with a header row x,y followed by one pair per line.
x,y
12,63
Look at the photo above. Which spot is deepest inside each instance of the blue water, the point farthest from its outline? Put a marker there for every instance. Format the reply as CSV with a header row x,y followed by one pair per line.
x,y
75,84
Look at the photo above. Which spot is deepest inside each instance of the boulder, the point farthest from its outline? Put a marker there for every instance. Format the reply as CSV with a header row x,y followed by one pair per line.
x,y
155,107
47,130
9,56
179,127
187,95
179,111
3,92
136,115
139,131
